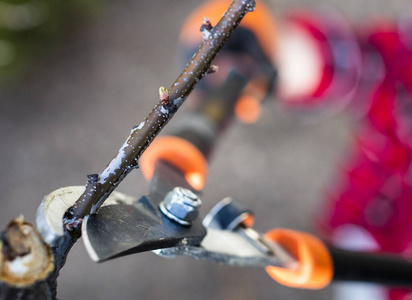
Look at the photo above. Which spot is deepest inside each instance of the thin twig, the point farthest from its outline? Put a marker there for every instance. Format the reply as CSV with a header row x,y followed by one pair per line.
x,y
141,136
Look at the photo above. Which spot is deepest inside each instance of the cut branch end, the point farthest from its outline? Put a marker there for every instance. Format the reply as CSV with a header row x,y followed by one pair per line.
x,y
24,257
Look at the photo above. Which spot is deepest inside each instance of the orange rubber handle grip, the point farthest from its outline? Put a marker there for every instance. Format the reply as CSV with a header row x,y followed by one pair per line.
x,y
181,154
315,265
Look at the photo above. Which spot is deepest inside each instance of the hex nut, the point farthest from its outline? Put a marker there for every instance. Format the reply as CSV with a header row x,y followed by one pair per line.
x,y
181,205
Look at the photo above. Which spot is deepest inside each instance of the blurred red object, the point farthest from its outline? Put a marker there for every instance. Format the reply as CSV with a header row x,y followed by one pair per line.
x,y
322,78
372,197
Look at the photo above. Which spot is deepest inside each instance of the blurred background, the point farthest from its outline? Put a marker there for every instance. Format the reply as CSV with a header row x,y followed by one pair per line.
x,y
76,77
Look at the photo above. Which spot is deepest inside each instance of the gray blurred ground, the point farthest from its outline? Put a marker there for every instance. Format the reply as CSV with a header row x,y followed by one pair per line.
x,y
71,113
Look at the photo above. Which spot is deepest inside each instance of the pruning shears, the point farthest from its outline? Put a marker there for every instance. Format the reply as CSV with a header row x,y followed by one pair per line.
x,y
166,220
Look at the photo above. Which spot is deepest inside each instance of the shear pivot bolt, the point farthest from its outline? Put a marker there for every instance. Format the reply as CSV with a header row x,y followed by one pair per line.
x,y
181,205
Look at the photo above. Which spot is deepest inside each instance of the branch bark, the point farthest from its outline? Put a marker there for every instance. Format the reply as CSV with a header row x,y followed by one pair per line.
x,y
141,136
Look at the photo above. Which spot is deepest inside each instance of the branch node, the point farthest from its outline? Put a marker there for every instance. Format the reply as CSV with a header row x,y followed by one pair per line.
x,y
164,95
71,223
206,27
74,225
92,178
212,69
207,24
251,6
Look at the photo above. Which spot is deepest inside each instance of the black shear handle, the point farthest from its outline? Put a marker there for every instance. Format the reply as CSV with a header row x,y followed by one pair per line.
x,y
203,125
370,267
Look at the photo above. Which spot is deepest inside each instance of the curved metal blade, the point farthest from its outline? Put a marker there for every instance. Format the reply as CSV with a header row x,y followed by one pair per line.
x,y
122,229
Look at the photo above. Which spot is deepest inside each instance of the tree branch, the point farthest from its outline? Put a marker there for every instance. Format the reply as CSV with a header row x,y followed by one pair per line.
x,y
98,189
22,242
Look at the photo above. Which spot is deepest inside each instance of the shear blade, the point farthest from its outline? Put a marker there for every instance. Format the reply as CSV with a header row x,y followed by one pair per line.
x,y
123,229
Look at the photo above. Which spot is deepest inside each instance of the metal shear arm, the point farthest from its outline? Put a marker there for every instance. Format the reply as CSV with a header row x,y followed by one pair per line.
x,y
229,248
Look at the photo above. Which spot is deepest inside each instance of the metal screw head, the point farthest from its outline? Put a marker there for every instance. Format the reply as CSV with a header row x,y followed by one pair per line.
x,y
181,205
